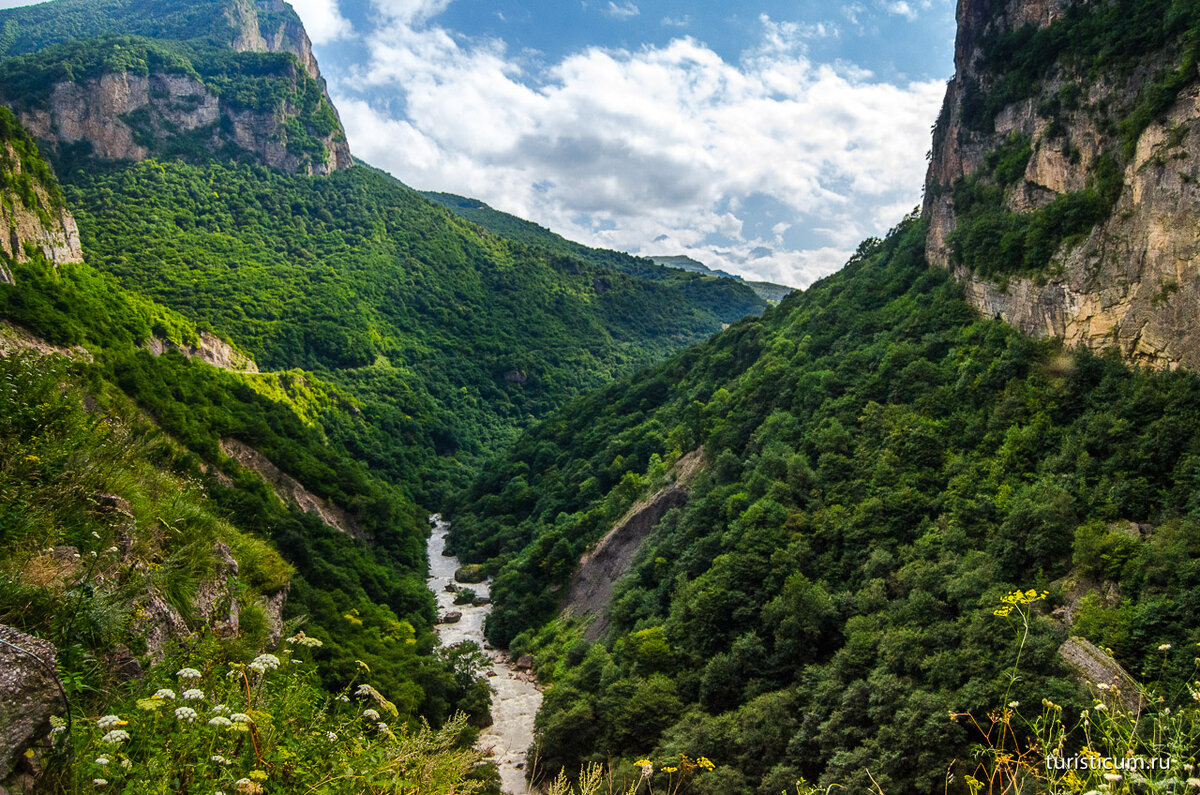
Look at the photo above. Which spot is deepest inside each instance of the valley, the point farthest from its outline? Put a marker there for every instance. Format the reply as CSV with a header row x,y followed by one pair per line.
x,y
314,482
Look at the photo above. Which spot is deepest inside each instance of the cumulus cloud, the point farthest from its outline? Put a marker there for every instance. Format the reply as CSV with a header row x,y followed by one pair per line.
x,y
659,150
323,20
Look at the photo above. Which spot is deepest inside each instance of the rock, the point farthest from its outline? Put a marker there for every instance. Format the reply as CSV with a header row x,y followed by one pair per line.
x,y
112,503
274,607
451,588
216,598
470,573
29,694
491,673
159,623
481,601
123,665
453,617
525,662
1097,667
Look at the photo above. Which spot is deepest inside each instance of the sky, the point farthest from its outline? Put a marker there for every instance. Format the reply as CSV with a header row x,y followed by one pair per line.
x,y
766,138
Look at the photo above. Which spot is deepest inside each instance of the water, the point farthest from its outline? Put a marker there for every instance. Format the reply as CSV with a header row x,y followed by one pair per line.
x,y
515,698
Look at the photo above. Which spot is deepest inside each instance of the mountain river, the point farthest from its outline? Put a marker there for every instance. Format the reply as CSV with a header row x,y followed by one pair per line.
x,y
515,696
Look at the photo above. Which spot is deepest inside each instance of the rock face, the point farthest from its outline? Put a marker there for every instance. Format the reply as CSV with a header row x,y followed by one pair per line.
x,y
1131,282
291,490
591,589
29,694
46,226
125,116
209,348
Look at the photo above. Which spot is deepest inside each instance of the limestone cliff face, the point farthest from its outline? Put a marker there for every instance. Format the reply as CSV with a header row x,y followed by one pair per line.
x,y
40,224
1133,280
125,116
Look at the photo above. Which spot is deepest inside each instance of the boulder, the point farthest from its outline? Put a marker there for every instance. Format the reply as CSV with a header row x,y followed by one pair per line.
x,y
29,694
470,573
453,617
525,662
216,598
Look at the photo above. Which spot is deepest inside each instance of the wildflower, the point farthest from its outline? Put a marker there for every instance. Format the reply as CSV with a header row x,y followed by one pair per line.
x,y
193,695
102,760
381,727
188,673
220,760
110,721
304,640
165,693
343,697
671,769
115,737
1100,707
185,713
1112,777
364,690
95,534
258,775
1194,782
220,709
112,550
370,714
126,764
220,723
265,662
705,763
240,717
331,737
1014,704
1165,647
99,783
1104,686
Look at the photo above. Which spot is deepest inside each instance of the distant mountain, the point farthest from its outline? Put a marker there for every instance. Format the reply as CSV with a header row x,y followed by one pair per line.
x,y
769,292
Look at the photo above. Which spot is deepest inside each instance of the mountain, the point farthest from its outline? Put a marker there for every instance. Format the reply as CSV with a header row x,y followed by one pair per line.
x,y
771,293
240,371
654,268
830,544
1061,187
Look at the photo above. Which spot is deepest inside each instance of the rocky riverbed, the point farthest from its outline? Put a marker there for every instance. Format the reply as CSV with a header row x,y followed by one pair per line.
x,y
515,694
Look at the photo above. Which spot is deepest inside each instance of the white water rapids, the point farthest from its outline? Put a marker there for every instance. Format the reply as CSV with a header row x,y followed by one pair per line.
x,y
515,699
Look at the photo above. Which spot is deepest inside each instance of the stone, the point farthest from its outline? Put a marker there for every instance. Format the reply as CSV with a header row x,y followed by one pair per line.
x,y
216,597
453,617
159,623
470,573
123,664
1097,667
113,503
29,694
525,662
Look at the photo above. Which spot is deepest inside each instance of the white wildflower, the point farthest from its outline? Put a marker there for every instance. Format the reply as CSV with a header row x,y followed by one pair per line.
x,y
370,714
305,640
126,764
112,550
1165,647
265,662
331,737
102,760
109,722
99,782
1014,704
220,709
381,727
220,760
1194,782
115,737
364,690
188,673
343,697
165,693
185,713
193,695
220,722
1112,776
240,717
1100,707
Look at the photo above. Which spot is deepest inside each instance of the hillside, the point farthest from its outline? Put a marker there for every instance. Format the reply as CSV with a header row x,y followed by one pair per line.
x,y
891,467
771,293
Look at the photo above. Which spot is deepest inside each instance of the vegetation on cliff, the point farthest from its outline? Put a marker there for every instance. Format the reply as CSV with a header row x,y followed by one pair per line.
x,y
884,466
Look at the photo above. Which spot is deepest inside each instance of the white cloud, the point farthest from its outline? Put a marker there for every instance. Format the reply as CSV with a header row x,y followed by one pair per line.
x,y
677,22
661,150
323,20
908,10
625,10
18,3
410,11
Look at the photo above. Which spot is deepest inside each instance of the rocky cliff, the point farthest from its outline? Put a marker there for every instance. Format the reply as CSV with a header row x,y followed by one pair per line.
x,y
248,88
1063,191
33,217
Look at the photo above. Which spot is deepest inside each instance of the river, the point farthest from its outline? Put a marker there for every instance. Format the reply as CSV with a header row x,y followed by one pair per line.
x,y
515,698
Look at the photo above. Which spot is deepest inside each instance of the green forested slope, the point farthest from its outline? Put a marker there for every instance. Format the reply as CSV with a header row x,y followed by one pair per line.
x,y
883,465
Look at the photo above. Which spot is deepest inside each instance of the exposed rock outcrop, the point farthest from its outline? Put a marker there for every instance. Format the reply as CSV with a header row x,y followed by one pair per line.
x,y
290,490
1108,680
46,227
1133,282
15,339
126,116
591,589
29,694
209,348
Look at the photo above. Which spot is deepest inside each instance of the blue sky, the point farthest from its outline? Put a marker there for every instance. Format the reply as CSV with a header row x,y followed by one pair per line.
x,y
765,138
